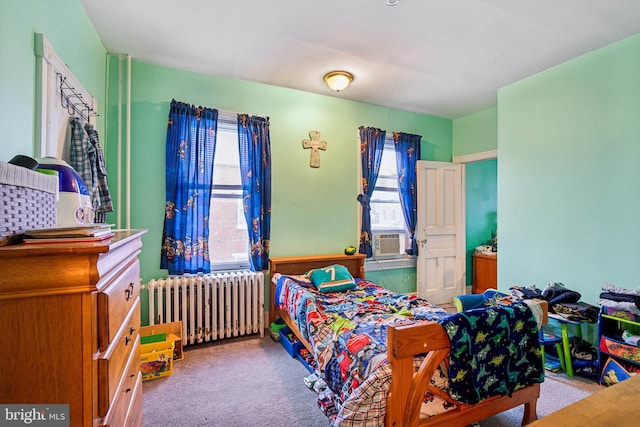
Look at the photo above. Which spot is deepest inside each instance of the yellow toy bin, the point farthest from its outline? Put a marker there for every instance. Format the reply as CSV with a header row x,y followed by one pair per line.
x,y
156,359
173,331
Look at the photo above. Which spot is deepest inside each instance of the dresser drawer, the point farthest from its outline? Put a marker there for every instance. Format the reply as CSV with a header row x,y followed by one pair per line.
x,y
120,364
134,416
127,407
115,302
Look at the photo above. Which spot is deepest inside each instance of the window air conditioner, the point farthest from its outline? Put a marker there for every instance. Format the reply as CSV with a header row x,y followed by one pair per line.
x,y
387,244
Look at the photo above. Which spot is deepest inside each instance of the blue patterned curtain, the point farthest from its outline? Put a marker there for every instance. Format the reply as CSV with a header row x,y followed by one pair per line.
x,y
371,147
255,167
191,145
407,154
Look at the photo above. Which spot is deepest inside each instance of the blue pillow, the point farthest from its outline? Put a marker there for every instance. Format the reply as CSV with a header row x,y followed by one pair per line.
x,y
334,278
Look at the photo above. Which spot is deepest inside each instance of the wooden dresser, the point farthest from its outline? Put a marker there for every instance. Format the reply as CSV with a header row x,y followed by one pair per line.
x,y
485,272
70,318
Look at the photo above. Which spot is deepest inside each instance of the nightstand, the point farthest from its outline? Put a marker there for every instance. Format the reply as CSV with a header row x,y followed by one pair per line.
x,y
484,272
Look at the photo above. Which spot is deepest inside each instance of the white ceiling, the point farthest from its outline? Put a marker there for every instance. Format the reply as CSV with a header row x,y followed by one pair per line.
x,y
441,57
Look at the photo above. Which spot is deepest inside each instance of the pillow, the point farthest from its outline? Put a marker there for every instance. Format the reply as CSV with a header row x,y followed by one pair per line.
x,y
301,279
335,278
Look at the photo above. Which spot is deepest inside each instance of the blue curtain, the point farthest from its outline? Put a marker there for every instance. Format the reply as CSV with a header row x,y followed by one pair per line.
x,y
371,147
407,153
255,167
191,145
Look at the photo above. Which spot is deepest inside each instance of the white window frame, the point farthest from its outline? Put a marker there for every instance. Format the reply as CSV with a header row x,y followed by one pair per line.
x,y
228,122
402,259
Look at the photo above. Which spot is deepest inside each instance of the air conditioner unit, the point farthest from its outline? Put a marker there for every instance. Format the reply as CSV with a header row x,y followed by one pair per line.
x,y
388,244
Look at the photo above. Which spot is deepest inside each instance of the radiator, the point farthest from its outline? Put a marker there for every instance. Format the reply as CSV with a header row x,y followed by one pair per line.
x,y
210,306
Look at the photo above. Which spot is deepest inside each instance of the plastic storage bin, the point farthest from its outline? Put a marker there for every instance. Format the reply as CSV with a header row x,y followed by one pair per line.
x,y
156,359
172,331
290,342
306,359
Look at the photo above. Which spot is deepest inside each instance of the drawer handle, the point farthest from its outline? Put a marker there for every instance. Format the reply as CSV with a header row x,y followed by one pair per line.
x,y
131,330
128,293
127,340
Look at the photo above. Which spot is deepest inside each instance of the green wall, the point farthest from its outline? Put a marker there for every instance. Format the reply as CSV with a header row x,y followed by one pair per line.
x,y
65,24
476,132
314,211
567,178
396,279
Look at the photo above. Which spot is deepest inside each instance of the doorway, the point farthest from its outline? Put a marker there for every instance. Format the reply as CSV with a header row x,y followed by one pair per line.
x,y
480,188
481,206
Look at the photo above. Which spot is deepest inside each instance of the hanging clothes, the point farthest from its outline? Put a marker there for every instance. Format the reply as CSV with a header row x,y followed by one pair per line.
x,y
80,154
104,197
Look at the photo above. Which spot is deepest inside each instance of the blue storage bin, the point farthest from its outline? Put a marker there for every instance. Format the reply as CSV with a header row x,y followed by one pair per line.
x,y
290,342
304,362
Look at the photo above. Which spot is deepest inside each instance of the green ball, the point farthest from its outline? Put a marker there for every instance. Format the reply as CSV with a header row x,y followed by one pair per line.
x,y
350,250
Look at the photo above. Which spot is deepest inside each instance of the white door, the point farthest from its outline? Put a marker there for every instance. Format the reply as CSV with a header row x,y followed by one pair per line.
x,y
440,232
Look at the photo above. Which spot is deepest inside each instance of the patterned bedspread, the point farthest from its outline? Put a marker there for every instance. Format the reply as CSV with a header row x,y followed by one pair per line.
x,y
495,351
348,333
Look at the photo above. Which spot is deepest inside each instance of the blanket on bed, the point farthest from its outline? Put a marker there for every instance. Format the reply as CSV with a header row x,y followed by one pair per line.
x,y
495,351
348,330
348,333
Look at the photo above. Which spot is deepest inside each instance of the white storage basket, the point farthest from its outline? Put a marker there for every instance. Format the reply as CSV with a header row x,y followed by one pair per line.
x,y
27,201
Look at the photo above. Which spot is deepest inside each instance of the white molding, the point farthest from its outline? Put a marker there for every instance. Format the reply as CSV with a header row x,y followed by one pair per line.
x,y
463,214
127,141
476,157
119,209
47,102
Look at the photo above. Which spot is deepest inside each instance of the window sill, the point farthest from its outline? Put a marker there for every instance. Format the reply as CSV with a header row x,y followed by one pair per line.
x,y
379,264
223,267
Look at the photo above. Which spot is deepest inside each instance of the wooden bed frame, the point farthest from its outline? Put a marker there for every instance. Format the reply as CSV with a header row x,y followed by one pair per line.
x,y
405,342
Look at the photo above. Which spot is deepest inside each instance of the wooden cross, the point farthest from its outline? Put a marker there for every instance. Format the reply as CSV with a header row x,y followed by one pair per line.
x,y
315,144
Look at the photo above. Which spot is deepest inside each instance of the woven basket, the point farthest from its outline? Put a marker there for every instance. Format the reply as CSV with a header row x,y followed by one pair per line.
x,y
27,201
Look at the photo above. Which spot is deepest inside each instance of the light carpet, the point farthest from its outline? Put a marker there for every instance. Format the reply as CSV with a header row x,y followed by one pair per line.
x,y
254,382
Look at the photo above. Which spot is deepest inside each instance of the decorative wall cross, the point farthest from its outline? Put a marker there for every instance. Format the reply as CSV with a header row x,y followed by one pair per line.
x,y
315,144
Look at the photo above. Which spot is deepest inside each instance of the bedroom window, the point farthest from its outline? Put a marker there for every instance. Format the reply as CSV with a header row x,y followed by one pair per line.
x,y
387,221
228,238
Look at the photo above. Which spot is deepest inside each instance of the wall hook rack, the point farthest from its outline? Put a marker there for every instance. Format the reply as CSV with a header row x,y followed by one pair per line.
x,y
67,93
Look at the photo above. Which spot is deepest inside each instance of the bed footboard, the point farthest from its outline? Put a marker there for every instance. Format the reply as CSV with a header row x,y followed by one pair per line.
x,y
407,389
405,342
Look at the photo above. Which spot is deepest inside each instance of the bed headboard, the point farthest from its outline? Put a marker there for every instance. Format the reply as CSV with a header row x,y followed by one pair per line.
x,y
302,264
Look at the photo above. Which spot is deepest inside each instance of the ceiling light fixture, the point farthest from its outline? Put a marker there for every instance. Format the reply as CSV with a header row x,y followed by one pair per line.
x,y
392,2
338,80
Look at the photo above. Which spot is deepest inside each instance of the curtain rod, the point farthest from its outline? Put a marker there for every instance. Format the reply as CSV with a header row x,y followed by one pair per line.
x,y
232,116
